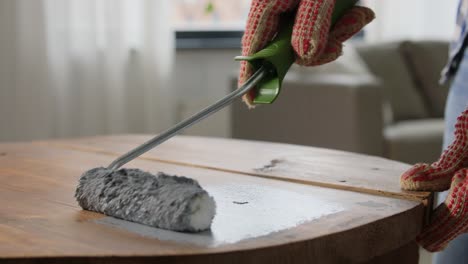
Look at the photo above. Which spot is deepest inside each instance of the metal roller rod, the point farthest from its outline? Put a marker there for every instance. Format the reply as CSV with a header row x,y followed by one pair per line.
x,y
251,82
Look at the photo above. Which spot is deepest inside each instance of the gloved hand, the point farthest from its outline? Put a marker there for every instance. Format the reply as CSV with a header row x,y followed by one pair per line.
x,y
450,219
312,40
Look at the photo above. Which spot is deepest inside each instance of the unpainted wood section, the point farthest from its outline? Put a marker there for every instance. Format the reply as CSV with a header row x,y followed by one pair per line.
x,y
306,165
40,220
407,254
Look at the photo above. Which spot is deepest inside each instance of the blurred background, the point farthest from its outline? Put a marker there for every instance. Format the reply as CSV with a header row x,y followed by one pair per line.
x,y
73,68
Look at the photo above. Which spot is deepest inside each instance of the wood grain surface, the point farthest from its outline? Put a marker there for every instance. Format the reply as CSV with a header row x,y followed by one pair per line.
x,y
276,214
306,165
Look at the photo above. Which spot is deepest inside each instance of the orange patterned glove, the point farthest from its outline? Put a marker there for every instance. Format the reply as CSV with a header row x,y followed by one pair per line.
x,y
450,219
312,40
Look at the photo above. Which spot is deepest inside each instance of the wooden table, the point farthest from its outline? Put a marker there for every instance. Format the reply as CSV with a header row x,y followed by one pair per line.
x,y
276,203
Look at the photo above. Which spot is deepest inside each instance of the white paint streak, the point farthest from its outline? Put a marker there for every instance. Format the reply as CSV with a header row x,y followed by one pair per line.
x,y
269,209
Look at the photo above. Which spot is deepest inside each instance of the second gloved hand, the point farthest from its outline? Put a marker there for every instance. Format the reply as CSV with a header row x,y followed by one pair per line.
x,y
312,40
450,219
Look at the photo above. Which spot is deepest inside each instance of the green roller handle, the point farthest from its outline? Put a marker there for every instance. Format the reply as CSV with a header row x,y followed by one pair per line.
x,y
278,56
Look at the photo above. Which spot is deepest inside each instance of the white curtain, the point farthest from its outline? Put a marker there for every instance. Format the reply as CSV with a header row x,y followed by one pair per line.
x,y
84,67
411,19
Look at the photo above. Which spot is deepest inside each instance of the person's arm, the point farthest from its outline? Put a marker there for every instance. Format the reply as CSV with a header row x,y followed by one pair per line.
x,y
313,41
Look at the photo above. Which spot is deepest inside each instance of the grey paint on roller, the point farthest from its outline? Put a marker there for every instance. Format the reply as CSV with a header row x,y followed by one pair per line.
x,y
161,200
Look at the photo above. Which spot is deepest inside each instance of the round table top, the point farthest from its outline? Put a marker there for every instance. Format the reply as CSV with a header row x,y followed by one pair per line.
x,y
276,203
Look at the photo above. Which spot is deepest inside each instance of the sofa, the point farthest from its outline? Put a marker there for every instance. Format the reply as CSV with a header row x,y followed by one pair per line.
x,y
379,99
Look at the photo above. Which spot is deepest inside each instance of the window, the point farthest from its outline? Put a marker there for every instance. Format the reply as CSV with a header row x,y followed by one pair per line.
x,y
209,23
203,24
